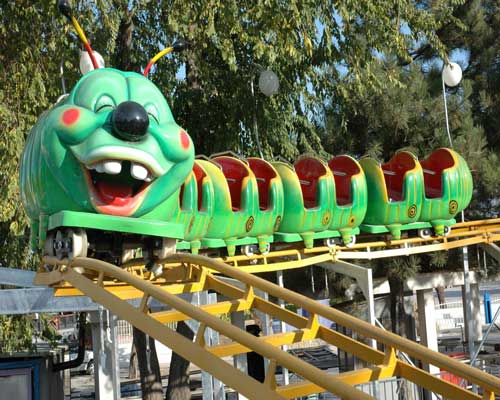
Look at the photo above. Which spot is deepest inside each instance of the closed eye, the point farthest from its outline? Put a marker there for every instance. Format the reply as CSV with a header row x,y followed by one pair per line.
x,y
107,107
154,117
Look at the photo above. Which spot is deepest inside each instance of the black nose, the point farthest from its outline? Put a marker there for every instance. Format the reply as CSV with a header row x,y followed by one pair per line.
x,y
130,121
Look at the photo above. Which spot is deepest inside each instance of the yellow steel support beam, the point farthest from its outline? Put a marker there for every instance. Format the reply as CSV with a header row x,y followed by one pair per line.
x,y
356,348
124,310
110,286
184,347
223,307
439,386
279,339
486,381
357,377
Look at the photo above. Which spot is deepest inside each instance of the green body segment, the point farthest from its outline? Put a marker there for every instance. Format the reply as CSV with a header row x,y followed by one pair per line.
x,y
229,221
195,207
309,189
349,202
248,197
270,202
395,193
448,188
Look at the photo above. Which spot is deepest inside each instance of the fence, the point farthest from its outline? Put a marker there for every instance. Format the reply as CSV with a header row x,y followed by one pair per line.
x,y
451,315
388,389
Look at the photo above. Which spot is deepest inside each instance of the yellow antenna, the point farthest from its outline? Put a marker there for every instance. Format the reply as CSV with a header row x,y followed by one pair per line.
x,y
178,46
65,8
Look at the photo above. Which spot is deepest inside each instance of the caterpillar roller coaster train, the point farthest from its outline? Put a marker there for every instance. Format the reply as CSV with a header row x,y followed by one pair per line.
x,y
107,170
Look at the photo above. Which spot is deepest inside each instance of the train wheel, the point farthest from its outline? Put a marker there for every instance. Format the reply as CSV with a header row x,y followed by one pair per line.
x,y
249,250
68,243
78,243
168,247
425,233
127,255
331,242
267,249
351,242
49,245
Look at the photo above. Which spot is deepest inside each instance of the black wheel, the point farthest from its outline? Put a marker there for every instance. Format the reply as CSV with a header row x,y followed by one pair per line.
x,y
424,233
249,250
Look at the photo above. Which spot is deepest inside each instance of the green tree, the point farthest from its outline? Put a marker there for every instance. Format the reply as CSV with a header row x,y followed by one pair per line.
x,y
409,113
320,50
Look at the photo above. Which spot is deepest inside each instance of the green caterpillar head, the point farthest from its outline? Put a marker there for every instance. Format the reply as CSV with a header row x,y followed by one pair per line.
x,y
113,146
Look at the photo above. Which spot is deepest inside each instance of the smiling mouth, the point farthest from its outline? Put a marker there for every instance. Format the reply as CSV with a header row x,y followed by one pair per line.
x,y
118,186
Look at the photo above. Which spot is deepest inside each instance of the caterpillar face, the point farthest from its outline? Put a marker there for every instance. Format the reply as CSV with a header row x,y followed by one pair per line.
x,y
113,145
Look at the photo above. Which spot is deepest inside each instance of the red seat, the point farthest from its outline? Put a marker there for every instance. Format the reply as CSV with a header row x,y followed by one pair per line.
x,y
309,170
433,167
264,173
394,174
235,171
343,168
199,174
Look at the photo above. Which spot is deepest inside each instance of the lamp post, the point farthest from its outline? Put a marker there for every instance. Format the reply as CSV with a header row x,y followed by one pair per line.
x,y
269,85
451,77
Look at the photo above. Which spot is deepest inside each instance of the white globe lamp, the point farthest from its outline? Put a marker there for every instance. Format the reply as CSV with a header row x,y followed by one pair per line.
x,y
86,62
452,74
269,83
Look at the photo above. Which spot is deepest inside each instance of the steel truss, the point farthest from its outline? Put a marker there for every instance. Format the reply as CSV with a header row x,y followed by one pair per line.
x,y
111,286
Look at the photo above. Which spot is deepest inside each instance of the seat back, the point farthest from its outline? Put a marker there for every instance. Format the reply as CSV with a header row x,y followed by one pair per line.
x,y
309,170
433,167
343,168
394,174
235,171
264,173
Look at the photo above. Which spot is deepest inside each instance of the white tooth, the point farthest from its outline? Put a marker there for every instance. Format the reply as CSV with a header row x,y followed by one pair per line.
x,y
149,178
99,167
138,172
112,167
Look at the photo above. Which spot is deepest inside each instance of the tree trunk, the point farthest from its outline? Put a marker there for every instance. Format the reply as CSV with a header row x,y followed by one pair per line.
x,y
398,315
133,369
399,322
178,377
124,43
148,366
441,296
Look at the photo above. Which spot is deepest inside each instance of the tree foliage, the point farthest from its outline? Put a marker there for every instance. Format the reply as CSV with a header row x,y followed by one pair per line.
x,y
322,51
408,112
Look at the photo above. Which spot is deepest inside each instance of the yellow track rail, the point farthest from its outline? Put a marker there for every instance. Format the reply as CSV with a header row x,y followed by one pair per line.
x,y
93,278
370,247
178,279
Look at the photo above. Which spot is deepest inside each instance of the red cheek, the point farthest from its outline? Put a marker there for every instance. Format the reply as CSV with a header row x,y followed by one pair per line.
x,y
70,116
184,140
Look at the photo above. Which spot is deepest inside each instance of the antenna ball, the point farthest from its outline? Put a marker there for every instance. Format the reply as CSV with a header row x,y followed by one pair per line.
x,y
64,7
181,45
86,62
